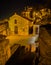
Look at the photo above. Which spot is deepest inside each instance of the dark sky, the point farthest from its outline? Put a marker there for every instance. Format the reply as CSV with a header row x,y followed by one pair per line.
x,y
8,7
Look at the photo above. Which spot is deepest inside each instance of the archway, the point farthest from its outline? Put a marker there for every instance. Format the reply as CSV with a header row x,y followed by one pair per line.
x,y
31,30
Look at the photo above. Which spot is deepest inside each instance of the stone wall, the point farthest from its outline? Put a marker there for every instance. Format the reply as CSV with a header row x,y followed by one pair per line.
x,y
45,47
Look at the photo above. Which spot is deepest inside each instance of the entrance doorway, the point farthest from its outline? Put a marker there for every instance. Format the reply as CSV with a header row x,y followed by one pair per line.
x,y
31,30
16,30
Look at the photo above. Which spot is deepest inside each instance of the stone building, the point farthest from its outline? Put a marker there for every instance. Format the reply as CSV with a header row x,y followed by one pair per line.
x,y
21,26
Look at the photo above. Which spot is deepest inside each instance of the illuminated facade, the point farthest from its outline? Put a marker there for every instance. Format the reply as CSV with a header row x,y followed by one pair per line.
x,y
18,25
26,12
21,26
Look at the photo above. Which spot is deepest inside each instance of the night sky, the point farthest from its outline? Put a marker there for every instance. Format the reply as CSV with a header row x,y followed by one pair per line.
x,y
8,7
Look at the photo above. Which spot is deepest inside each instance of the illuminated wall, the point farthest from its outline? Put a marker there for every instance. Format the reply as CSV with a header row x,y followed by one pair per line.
x,y
5,51
20,23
